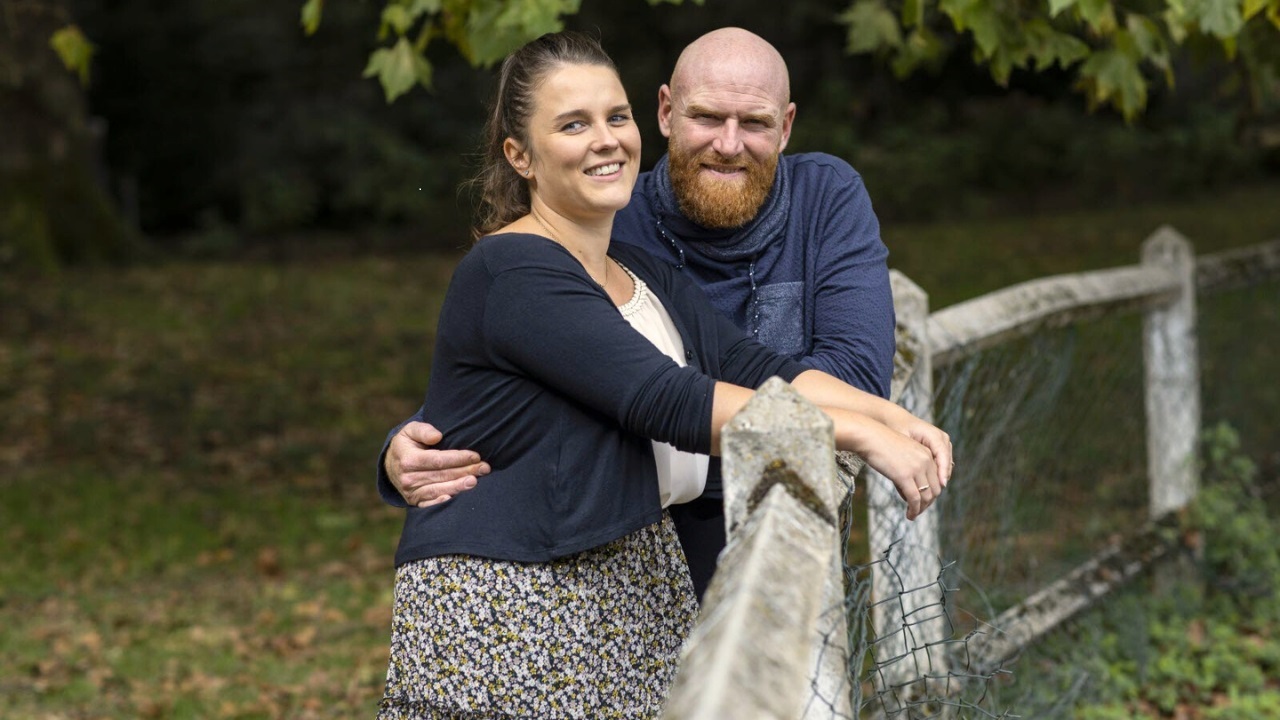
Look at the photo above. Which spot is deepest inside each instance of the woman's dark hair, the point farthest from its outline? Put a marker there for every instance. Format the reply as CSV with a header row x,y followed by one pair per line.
x,y
504,195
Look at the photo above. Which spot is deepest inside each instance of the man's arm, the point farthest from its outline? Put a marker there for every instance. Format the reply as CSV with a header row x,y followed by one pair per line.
x,y
410,472
853,336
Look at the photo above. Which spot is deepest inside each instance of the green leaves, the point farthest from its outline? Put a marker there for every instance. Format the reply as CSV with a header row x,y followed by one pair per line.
x,y
74,49
1111,46
496,27
872,27
1216,17
311,12
398,68
484,31
1112,76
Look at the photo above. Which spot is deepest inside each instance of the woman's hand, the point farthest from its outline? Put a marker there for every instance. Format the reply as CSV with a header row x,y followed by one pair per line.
x,y
914,455
938,442
909,465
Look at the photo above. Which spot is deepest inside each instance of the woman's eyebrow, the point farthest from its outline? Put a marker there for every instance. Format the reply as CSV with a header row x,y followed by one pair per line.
x,y
581,113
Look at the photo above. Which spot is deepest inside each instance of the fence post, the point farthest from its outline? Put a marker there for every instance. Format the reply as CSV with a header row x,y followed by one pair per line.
x,y
1172,378
808,440
750,655
907,611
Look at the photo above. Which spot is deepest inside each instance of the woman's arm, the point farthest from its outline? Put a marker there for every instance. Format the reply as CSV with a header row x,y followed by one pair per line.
x,y
913,454
829,392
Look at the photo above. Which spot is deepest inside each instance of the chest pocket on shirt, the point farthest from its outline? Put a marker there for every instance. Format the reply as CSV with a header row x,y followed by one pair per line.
x,y
781,308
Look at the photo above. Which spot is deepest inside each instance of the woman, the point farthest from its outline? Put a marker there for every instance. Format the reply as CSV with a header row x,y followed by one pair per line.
x,y
556,589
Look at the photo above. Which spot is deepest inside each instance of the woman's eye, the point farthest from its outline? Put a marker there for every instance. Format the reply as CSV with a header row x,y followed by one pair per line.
x,y
573,126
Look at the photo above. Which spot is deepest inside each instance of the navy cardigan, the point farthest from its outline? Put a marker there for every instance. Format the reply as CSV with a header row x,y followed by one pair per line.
x,y
535,369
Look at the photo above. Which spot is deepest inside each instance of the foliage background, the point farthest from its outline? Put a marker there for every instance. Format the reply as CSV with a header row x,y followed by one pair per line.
x,y
219,125
186,433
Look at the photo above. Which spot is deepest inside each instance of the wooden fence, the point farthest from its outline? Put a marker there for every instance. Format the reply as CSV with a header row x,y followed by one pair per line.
x,y
771,640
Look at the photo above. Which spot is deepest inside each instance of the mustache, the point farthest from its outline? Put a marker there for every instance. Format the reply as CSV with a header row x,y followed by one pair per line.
x,y
713,157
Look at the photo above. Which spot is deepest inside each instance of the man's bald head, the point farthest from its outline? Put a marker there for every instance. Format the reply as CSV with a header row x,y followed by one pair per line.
x,y
727,116
732,57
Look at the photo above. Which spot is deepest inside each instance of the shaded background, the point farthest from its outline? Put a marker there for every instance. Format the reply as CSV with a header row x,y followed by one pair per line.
x,y
251,246
217,127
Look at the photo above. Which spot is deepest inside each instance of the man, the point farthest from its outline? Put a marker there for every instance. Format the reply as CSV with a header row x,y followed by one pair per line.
x,y
786,247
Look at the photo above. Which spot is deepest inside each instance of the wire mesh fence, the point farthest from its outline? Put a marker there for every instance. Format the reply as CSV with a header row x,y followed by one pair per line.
x,y
1068,426
1050,438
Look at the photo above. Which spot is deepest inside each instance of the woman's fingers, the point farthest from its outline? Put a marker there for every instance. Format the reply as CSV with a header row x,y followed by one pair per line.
x,y
917,460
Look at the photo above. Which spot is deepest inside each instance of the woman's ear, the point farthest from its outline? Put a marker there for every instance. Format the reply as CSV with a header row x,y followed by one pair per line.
x,y
517,156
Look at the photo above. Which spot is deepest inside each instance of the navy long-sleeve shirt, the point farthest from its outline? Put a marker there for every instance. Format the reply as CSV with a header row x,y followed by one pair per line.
x,y
535,369
822,289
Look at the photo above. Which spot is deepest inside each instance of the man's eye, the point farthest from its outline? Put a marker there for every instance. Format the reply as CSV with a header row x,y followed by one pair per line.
x,y
620,119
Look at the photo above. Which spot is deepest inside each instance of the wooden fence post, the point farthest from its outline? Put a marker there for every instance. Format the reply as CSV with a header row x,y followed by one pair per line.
x,y
752,654
1172,360
908,614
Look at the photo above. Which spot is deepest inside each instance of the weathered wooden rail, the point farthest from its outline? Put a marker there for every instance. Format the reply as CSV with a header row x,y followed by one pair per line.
x,y
771,635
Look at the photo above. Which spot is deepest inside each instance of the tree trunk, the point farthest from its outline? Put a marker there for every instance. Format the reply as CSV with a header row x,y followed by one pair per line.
x,y
54,208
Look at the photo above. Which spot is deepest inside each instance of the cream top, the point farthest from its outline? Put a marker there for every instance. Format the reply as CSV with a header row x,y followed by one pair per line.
x,y
681,475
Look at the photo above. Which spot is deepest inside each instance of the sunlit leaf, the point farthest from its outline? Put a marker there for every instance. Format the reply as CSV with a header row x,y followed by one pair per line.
x,y
74,49
1057,6
1145,33
417,8
1176,21
1217,18
1112,76
398,68
397,18
311,12
958,11
1100,15
978,17
1253,7
495,28
1048,46
1151,44
912,13
921,47
872,27
985,25
1001,64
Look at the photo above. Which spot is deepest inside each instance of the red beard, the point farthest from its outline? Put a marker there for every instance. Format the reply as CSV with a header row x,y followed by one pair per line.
x,y
714,203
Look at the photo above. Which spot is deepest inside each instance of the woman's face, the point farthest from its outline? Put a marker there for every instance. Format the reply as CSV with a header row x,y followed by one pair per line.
x,y
584,146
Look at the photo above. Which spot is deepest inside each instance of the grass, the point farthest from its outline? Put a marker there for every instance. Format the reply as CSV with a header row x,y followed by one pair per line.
x,y
186,494
187,479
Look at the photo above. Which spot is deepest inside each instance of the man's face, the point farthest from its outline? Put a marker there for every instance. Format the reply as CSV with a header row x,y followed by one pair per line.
x,y
725,131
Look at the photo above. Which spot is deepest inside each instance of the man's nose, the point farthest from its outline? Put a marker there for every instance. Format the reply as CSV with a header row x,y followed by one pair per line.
x,y
728,141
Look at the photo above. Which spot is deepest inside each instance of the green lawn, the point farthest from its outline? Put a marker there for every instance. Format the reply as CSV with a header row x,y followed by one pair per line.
x,y
186,456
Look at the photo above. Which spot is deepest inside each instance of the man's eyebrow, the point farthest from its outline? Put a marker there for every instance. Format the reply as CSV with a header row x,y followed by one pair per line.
x,y
764,118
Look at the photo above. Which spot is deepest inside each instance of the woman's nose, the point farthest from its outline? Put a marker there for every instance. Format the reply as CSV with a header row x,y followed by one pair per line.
x,y
605,139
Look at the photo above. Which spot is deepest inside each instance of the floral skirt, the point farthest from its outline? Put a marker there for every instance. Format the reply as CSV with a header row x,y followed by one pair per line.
x,y
592,635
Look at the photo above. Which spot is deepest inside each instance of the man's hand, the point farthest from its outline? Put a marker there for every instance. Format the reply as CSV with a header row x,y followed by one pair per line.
x,y
424,476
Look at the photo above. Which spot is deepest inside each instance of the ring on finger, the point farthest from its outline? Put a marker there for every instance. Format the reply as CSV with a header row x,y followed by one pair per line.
x,y
922,488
